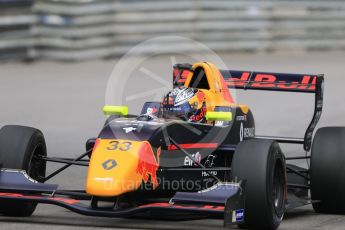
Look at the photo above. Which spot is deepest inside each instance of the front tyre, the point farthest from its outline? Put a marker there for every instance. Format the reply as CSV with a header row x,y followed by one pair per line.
x,y
262,164
20,147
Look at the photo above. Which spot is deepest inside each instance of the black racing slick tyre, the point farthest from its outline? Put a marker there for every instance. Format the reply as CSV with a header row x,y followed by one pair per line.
x,y
262,164
18,147
327,170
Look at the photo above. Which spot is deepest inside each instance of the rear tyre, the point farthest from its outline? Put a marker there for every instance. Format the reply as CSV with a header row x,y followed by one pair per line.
x,y
262,164
327,171
18,147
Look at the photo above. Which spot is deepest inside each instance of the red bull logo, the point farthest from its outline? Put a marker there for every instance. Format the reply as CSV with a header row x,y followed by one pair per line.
x,y
148,164
199,103
201,96
200,115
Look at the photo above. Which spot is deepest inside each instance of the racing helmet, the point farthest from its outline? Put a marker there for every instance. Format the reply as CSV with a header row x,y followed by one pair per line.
x,y
188,104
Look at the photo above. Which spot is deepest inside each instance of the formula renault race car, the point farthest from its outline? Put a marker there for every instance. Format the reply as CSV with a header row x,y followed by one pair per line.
x,y
195,154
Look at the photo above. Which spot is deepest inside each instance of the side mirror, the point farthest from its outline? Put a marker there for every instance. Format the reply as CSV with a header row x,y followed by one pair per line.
x,y
219,116
115,110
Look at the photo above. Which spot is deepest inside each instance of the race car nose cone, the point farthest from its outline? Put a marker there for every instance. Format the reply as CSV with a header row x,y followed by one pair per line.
x,y
120,166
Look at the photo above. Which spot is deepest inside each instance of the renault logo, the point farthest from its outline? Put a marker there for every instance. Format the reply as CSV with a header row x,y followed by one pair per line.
x,y
109,164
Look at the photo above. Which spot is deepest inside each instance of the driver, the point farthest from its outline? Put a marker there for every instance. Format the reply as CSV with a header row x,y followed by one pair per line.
x,y
188,104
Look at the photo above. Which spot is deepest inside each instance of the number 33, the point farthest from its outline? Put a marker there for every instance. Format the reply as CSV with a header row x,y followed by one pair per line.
x,y
122,146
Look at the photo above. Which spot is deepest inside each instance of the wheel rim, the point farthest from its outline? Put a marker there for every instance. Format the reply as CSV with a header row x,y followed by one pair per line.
x,y
278,190
36,169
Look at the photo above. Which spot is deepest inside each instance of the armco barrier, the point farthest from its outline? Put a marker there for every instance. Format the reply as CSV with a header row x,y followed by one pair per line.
x,y
80,29
16,20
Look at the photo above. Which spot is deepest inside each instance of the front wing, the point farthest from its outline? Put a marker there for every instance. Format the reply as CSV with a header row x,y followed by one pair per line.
x,y
222,200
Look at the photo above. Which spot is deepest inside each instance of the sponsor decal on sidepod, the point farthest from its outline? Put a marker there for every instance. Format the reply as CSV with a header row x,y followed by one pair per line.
x,y
148,164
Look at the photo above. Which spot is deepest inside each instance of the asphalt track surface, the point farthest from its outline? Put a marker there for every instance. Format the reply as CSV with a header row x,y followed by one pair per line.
x,y
64,100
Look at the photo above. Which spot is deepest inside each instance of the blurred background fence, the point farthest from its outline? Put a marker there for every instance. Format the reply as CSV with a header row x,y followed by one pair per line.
x,y
16,21
90,29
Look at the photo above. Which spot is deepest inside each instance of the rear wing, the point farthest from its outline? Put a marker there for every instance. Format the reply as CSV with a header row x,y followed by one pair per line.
x,y
304,83
283,82
298,83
